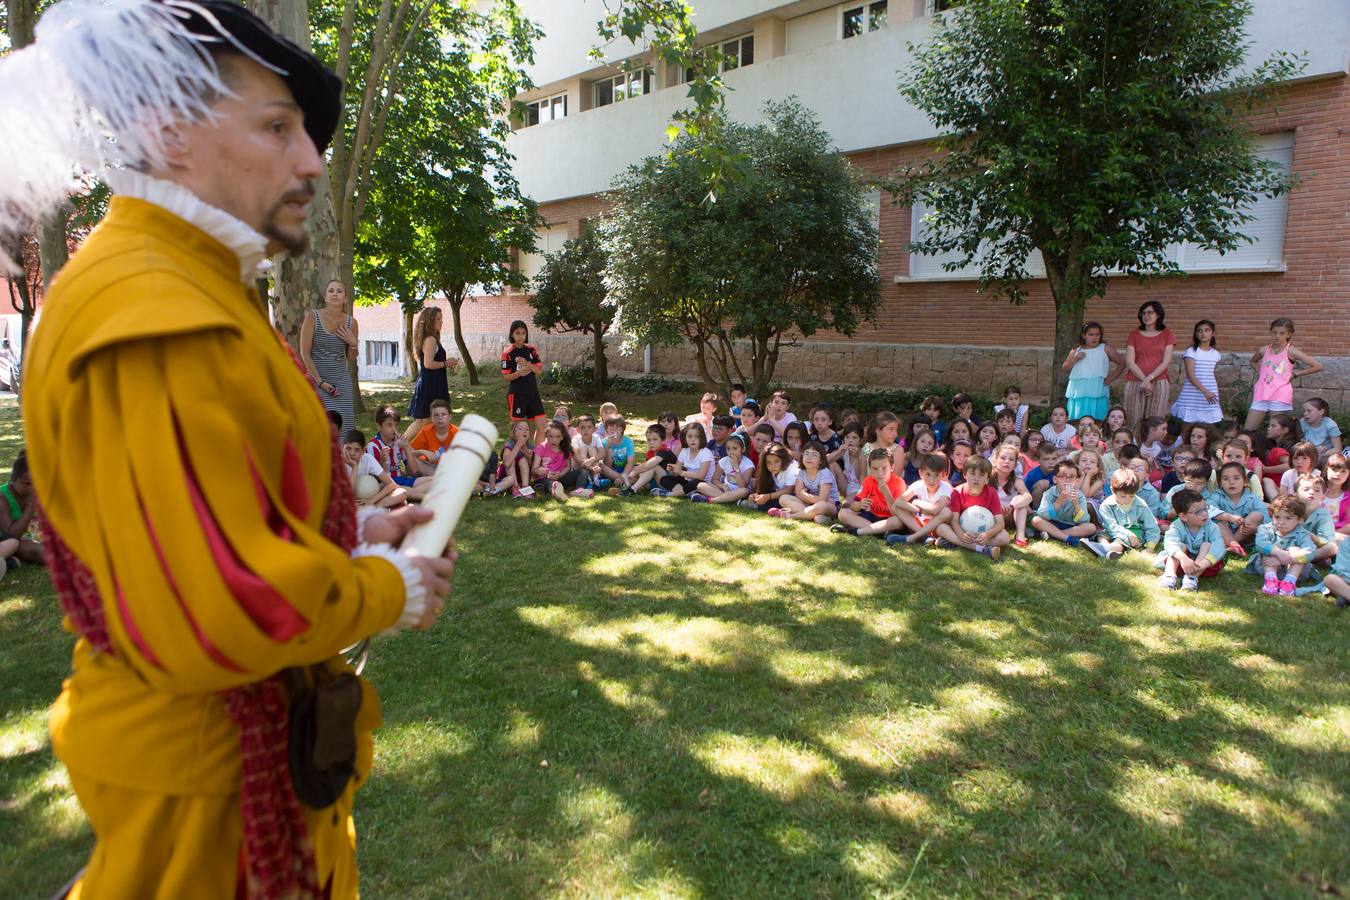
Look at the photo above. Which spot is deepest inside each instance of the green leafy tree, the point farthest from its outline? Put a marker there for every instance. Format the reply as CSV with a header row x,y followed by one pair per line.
x,y
1099,132
789,248
570,295
441,212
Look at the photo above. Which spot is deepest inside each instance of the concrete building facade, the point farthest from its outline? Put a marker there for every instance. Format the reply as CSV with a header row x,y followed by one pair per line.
x,y
587,122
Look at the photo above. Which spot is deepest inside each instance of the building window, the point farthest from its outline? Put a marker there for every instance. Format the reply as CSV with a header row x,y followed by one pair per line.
x,y
937,6
546,110
624,86
863,18
738,52
546,240
382,353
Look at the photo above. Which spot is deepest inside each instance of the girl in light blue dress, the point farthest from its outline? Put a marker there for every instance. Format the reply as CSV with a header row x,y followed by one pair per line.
x,y
1090,375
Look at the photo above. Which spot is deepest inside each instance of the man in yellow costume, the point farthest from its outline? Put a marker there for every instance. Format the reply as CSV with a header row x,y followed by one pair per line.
x,y
199,523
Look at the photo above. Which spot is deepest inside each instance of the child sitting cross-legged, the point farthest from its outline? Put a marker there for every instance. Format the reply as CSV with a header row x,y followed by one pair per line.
x,y
732,479
925,503
370,482
775,476
1235,509
620,455
1063,513
588,448
869,511
1312,490
976,492
1012,492
816,495
1192,546
517,461
556,470
659,457
1127,522
693,465
1283,546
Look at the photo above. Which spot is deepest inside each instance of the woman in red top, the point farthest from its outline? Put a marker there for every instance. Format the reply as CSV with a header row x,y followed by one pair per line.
x,y
1148,357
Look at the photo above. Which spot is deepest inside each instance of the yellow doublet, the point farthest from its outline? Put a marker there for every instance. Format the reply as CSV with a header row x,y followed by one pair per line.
x,y
161,412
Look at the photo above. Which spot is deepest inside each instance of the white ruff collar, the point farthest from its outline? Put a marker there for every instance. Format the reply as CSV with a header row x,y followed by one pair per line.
x,y
247,244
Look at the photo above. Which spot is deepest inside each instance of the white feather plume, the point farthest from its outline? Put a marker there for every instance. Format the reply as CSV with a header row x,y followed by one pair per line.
x,y
93,93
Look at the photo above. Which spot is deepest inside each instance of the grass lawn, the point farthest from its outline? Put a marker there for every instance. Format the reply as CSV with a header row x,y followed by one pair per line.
x,y
641,696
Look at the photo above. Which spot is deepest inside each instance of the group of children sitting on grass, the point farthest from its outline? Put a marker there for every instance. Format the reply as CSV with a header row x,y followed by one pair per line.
x,y
1193,494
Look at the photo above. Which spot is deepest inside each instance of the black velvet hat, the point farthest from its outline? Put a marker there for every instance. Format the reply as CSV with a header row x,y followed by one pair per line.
x,y
317,91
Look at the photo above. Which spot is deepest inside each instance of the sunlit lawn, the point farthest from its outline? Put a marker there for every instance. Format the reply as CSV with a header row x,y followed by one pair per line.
x,y
636,696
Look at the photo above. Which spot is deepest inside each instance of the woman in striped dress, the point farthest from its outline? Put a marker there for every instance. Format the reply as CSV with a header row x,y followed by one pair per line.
x,y
328,339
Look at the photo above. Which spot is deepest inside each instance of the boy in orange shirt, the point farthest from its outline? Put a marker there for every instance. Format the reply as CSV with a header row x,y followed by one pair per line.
x,y
869,512
435,438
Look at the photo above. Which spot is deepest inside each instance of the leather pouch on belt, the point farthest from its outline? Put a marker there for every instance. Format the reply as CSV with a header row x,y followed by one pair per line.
x,y
322,745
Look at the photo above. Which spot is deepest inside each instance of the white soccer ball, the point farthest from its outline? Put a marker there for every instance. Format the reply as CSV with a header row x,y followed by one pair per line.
x,y
976,519
367,486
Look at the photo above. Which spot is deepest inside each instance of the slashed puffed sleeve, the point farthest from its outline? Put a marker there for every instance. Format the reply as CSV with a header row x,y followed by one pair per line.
x,y
202,504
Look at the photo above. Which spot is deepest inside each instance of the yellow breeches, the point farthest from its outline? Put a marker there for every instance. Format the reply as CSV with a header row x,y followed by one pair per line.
x,y
158,846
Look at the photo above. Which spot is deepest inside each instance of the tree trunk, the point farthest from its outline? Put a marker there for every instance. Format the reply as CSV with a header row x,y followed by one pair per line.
x,y
455,296
701,357
601,365
763,362
53,250
411,366
1070,292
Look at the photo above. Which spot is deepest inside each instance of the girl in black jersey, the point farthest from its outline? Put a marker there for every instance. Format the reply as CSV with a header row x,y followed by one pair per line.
x,y
521,366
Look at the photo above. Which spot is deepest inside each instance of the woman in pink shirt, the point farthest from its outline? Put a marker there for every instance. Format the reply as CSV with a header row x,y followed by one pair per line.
x,y
1148,356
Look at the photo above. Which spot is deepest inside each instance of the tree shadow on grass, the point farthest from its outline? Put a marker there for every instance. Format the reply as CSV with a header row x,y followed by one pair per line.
x,y
1028,734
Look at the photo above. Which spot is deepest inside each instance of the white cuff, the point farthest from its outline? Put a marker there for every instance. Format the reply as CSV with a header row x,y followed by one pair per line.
x,y
414,594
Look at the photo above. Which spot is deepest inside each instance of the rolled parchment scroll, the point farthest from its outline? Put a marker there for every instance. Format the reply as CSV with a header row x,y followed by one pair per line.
x,y
459,470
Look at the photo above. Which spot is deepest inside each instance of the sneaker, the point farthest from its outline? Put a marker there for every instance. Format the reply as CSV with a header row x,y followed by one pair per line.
x,y
1271,585
991,552
491,491
1167,582
625,491
697,498
897,540
1072,540
1286,588
1113,554
824,520
1098,548
746,503
1020,543
602,483
1045,535
1342,603
660,492
776,511
1190,583
583,493
944,544
615,491
836,528
515,492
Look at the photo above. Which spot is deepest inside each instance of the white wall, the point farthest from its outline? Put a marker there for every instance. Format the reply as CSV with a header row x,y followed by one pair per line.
x,y
812,30
850,84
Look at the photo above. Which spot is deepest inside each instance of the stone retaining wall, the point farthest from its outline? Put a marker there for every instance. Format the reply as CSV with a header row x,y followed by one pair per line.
x,y
985,370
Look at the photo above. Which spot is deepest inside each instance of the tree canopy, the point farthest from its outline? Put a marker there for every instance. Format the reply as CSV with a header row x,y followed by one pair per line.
x,y
1098,132
788,248
570,295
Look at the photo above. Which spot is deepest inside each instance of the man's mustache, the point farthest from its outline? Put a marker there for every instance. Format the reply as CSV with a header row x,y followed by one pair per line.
x,y
299,195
